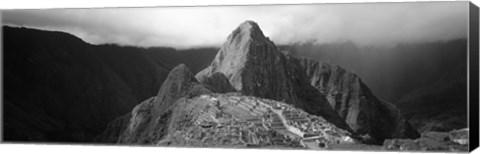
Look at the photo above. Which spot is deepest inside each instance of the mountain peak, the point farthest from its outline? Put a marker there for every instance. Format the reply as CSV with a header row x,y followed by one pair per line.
x,y
246,31
181,73
245,48
249,25
180,82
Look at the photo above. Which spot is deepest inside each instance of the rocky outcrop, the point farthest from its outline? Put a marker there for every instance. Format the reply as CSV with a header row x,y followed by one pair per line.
x,y
254,66
148,121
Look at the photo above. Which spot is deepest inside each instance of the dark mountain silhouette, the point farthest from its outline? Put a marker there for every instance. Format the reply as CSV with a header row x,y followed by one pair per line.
x,y
414,76
60,88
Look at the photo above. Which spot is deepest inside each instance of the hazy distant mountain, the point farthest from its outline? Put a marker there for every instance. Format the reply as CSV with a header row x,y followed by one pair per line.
x,y
59,88
427,81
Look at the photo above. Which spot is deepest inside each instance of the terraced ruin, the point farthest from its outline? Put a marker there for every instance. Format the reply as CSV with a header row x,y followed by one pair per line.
x,y
244,121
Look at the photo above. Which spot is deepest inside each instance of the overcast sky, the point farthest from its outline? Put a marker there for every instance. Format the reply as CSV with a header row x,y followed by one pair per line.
x,y
186,27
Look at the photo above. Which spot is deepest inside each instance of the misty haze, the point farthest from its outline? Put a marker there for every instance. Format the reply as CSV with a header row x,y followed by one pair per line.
x,y
371,76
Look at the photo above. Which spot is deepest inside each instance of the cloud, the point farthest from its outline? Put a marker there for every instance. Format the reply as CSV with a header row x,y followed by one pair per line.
x,y
186,27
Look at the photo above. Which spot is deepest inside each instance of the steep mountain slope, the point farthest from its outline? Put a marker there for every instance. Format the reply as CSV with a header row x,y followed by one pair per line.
x,y
59,88
356,104
254,66
413,76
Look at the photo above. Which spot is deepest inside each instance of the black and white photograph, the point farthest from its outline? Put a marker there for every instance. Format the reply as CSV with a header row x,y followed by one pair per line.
x,y
377,76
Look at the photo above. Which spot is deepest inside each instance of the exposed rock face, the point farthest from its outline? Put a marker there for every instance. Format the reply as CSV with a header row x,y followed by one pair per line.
x,y
254,66
149,120
355,103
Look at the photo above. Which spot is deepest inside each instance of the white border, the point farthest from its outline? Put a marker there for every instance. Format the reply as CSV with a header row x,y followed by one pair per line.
x,y
38,4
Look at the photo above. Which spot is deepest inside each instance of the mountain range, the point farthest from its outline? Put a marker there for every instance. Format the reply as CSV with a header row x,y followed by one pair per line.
x,y
250,92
